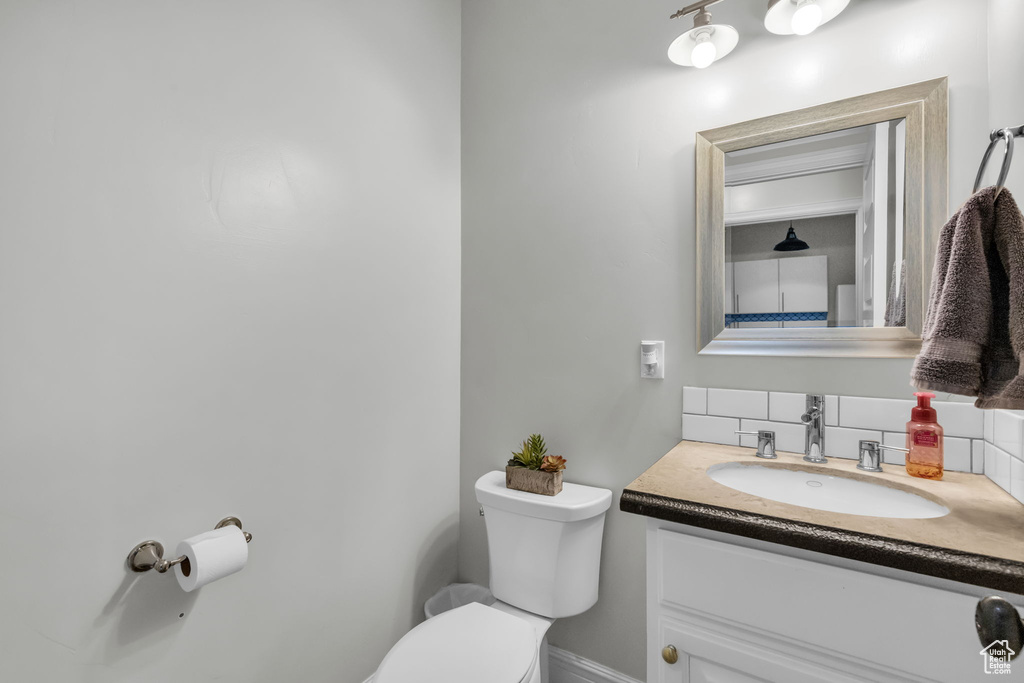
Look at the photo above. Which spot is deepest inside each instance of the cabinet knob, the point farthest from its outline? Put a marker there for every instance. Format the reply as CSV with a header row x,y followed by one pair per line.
x,y
670,654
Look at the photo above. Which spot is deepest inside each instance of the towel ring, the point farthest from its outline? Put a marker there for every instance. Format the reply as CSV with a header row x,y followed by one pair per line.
x,y
1006,135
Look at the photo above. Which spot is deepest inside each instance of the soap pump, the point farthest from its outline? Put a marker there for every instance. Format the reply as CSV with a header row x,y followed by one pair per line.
x,y
924,439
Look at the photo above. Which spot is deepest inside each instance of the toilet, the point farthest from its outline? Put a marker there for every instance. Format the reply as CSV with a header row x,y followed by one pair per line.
x,y
545,555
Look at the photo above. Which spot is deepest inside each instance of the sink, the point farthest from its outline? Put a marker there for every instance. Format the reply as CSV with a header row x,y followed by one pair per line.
x,y
812,488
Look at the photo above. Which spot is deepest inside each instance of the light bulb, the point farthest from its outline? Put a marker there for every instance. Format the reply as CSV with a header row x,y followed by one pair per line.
x,y
807,17
704,52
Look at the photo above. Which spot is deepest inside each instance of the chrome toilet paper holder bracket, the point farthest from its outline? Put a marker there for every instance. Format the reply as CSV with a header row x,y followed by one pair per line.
x,y
150,554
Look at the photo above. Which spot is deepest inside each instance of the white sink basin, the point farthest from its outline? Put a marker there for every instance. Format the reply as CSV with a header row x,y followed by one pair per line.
x,y
812,489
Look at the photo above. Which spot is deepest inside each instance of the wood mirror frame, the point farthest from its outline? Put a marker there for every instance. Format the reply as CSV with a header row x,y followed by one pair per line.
x,y
924,107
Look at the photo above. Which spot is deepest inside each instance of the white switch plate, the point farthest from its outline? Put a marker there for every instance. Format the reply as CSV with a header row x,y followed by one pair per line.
x,y
655,370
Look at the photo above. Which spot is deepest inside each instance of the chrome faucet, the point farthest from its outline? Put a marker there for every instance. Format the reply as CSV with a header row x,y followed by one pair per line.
x,y
814,418
765,443
871,455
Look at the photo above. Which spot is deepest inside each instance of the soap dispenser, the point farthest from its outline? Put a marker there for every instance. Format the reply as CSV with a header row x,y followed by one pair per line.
x,y
924,439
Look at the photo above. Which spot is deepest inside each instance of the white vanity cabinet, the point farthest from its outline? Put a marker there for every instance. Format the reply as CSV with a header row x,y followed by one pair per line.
x,y
746,611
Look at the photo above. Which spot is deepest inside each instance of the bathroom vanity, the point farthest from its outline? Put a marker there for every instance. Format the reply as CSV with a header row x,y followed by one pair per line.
x,y
742,589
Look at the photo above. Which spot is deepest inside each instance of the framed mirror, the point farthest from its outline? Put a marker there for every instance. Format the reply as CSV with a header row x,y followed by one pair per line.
x,y
816,228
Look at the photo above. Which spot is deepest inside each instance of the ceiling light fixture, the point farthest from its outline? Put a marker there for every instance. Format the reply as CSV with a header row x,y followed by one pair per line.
x,y
800,17
705,42
792,242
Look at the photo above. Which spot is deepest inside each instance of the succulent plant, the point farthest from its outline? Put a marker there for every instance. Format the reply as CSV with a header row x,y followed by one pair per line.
x,y
552,463
534,456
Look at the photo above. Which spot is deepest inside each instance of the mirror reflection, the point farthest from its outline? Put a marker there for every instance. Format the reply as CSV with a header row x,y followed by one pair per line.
x,y
814,231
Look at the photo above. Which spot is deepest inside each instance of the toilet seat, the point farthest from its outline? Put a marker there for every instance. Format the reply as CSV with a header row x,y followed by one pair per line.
x,y
469,644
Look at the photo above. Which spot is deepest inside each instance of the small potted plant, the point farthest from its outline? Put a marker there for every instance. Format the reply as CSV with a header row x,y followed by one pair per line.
x,y
531,469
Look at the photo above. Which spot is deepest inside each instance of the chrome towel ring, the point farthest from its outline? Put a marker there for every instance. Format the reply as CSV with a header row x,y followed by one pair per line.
x,y
1006,135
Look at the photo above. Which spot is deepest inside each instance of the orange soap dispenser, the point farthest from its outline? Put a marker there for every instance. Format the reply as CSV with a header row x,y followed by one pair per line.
x,y
924,439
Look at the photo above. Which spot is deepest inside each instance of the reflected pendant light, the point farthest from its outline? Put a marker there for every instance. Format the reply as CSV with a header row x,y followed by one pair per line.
x,y
791,243
800,17
704,43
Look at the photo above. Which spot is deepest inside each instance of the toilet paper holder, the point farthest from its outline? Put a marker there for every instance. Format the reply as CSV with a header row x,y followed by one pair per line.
x,y
150,554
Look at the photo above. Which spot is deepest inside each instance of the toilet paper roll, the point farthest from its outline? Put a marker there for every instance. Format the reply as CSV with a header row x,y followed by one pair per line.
x,y
211,556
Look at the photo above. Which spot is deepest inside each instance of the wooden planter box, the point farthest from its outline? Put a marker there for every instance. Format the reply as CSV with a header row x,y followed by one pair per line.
x,y
533,481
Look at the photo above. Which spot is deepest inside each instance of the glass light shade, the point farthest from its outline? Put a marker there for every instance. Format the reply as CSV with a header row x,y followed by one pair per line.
x,y
704,52
789,17
685,50
806,18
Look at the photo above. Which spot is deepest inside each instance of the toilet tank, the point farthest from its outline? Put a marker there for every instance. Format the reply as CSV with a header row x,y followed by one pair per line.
x,y
545,551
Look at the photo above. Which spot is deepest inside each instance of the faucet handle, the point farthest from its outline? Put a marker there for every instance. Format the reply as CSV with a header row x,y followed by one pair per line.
x,y
871,455
765,443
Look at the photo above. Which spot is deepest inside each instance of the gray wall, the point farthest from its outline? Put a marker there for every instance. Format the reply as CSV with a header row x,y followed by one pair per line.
x,y
578,234
229,277
830,236
1005,100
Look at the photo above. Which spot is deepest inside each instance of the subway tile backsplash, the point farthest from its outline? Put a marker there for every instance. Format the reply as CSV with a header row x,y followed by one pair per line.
x,y
887,414
843,442
711,429
695,401
737,403
989,442
1006,432
783,407
788,437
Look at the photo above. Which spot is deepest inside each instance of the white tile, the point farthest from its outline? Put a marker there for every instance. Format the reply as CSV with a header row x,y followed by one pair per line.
x,y
832,411
956,454
845,443
788,437
695,400
978,456
738,403
898,439
989,425
711,429
997,466
784,407
1017,479
884,414
1007,430
960,419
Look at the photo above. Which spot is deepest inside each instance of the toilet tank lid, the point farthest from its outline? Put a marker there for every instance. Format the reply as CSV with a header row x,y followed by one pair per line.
x,y
575,502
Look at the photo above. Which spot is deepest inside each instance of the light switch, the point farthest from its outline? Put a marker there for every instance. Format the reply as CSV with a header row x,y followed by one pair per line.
x,y
652,359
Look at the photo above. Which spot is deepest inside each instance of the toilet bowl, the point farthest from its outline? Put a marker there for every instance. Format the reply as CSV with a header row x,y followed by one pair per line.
x,y
545,556
474,643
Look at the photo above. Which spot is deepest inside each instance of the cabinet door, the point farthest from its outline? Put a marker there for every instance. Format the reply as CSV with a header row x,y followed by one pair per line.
x,y
756,286
707,657
803,284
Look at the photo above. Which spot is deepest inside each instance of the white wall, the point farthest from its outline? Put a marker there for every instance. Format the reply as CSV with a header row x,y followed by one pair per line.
x,y
578,233
229,278
1005,97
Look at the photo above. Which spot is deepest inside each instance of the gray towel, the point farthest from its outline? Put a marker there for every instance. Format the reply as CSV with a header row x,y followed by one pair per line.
x,y
896,302
974,327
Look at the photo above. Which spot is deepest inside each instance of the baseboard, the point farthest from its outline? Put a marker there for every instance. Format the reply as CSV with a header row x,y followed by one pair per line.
x,y
565,667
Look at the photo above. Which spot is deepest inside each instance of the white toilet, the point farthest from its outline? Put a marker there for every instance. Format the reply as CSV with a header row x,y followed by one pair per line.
x,y
545,554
